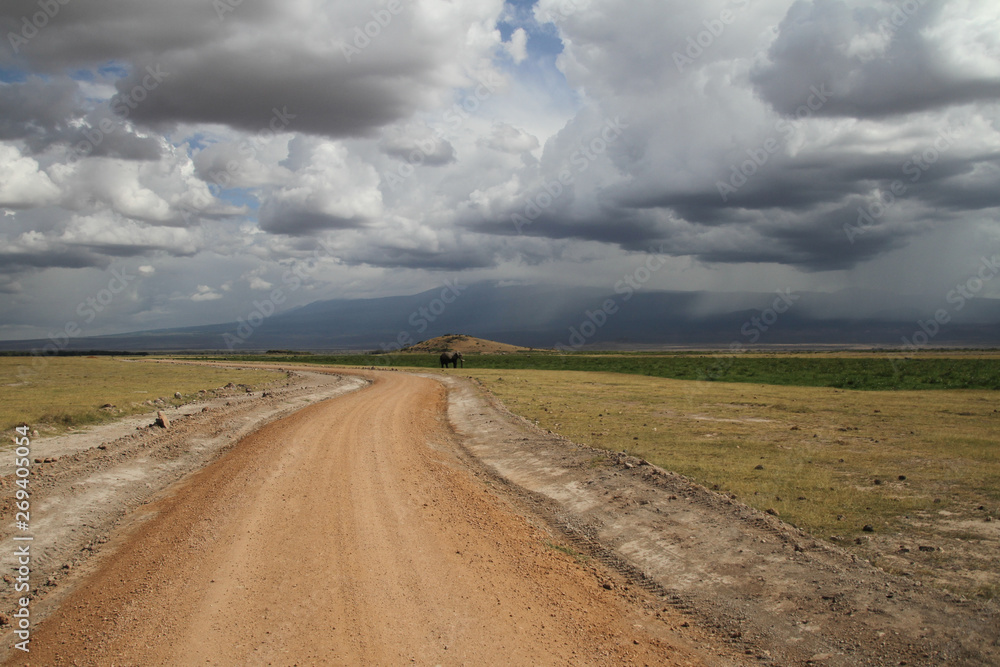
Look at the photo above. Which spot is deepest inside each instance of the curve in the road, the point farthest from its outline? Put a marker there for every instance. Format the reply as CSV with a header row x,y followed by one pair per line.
x,y
345,534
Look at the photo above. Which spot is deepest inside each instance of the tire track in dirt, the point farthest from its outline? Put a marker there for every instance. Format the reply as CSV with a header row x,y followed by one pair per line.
x,y
101,475
347,533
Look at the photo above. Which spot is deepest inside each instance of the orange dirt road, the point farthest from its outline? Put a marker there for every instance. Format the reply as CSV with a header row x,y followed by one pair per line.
x,y
346,534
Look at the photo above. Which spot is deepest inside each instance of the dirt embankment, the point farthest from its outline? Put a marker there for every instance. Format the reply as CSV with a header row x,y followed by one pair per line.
x,y
766,588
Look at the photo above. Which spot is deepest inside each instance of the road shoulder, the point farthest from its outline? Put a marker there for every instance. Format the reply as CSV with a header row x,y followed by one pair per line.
x,y
767,589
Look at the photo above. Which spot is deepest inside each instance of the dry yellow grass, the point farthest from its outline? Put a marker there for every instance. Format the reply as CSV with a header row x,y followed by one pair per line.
x,y
52,394
912,465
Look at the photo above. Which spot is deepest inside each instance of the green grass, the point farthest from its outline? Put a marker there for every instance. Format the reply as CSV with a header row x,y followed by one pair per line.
x,y
56,393
865,371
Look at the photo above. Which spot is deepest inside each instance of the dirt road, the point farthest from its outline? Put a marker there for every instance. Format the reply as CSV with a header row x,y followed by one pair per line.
x,y
348,533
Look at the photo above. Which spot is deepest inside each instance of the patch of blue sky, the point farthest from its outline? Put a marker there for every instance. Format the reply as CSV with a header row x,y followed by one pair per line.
x,y
86,75
521,5
113,70
198,141
539,70
543,39
13,75
239,197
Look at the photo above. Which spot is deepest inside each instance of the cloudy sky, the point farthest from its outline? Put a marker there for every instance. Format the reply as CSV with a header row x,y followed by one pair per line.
x,y
170,163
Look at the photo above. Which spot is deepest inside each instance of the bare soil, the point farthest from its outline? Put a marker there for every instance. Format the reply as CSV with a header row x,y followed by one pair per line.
x,y
416,520
99,477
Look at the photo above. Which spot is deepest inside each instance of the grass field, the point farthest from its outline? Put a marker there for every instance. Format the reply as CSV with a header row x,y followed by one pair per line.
x,y
52,394
917,466
912,465
865,371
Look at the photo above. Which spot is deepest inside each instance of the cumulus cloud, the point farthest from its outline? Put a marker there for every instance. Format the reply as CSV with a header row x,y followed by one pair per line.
x,y
704,169
517,47
120,237
821,135
417,145
189,64
123,187
205,293
258,283
885,59
22,183
510,139
331,190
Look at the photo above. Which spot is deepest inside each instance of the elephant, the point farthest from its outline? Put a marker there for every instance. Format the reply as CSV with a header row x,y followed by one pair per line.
x,y
453,358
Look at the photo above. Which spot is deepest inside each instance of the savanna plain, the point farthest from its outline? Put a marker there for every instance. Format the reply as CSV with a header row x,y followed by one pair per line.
x,y
893,456
893,459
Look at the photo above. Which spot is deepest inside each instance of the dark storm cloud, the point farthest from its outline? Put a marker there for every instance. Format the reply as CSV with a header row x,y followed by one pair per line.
x,y
43,113
14,263
314,96
455,259
811,239
428,151
800,211
81,33
237,68
282,218
119,142
802,183
817,240
626,228
789,189
37,108
874,61
973,187
695,180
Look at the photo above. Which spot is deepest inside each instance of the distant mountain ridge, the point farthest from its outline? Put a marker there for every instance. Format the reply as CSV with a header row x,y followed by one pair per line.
x,y
580,317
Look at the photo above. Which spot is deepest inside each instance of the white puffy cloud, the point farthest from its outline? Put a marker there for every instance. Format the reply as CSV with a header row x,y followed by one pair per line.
x,y
883,60
117,236
118,185
517,47
243,162
258,283
328,189
22,183
510,139
205,293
